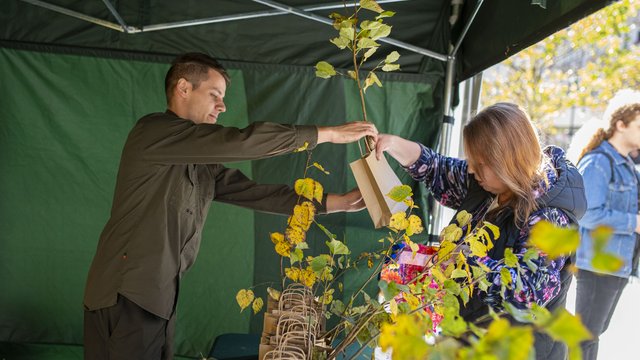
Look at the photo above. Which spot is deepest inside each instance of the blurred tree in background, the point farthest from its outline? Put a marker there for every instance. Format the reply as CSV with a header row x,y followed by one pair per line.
x,y
581,66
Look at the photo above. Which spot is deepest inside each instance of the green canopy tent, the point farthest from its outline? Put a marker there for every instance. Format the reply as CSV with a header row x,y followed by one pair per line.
x,y
77,74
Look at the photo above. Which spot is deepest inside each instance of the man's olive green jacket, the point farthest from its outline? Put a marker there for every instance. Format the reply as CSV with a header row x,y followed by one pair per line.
x,y
170,171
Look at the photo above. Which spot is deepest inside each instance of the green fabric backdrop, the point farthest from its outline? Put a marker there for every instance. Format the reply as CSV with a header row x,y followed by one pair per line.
x,y
64,119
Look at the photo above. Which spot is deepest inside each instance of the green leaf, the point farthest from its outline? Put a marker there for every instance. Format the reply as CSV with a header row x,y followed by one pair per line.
x,y
348,33
400,192
509,258
484,285
389,289
296,255
505,277
341,42
554,241
531,253
325,70
371,5
337,247
368,53
453,325
392,57
521,315
385,14
541,3
325,231
541,316
366,43
458,273
372,79
606,262
382,31
337,307
390,67
370,25
319,263
464,296
302,246
452,287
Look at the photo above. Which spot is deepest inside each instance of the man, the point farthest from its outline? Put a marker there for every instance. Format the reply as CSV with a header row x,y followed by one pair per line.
x,y
170,170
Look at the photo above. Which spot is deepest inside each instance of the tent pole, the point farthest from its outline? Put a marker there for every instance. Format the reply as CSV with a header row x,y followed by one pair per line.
x,y
444,147
466,27
314,17
445,136
115,14
75,14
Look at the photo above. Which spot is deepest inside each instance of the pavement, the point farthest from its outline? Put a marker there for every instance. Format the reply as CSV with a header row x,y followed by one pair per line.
x,y
619,341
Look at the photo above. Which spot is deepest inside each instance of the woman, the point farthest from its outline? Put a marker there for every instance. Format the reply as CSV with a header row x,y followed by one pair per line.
x,y
511,182
611,185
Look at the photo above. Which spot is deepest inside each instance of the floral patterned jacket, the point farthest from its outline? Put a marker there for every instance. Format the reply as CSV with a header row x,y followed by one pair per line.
x,y
561,201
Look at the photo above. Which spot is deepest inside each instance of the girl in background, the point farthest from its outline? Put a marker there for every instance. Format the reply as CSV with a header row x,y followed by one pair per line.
x,y
611,185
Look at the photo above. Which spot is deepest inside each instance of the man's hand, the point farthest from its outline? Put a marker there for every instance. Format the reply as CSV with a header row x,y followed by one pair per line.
x,y
347,133
348,202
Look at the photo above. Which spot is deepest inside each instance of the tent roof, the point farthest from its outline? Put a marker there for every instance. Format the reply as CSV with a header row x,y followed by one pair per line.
x,y
501,28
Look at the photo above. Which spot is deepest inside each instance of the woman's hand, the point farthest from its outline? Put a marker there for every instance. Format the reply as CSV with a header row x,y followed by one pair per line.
x,y
404,151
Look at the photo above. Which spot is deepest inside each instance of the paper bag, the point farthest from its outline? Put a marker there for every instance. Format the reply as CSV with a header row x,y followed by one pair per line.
x,y
375,179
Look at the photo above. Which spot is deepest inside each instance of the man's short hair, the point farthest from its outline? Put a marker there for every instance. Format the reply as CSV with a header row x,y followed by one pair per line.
x,y
193,67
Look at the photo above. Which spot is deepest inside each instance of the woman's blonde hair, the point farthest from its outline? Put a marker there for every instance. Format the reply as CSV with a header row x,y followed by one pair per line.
x,y
626,114
503,138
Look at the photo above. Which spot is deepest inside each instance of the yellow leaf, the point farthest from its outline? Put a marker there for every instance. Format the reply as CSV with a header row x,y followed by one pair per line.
x,y
445,250
257,305
414,248
309,189
451,233
308,277
463,218
275,294
412,300
553,240
369,263
409,202
244,298
295,235
303,215
567,328
302,148
478,248
438,275
371,5
318,192
292,273
319,167
415,225
393,305
399,221
277,238
283,249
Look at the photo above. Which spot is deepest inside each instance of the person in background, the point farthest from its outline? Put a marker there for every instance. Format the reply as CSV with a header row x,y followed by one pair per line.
x,y
510,181
170,170
611,183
